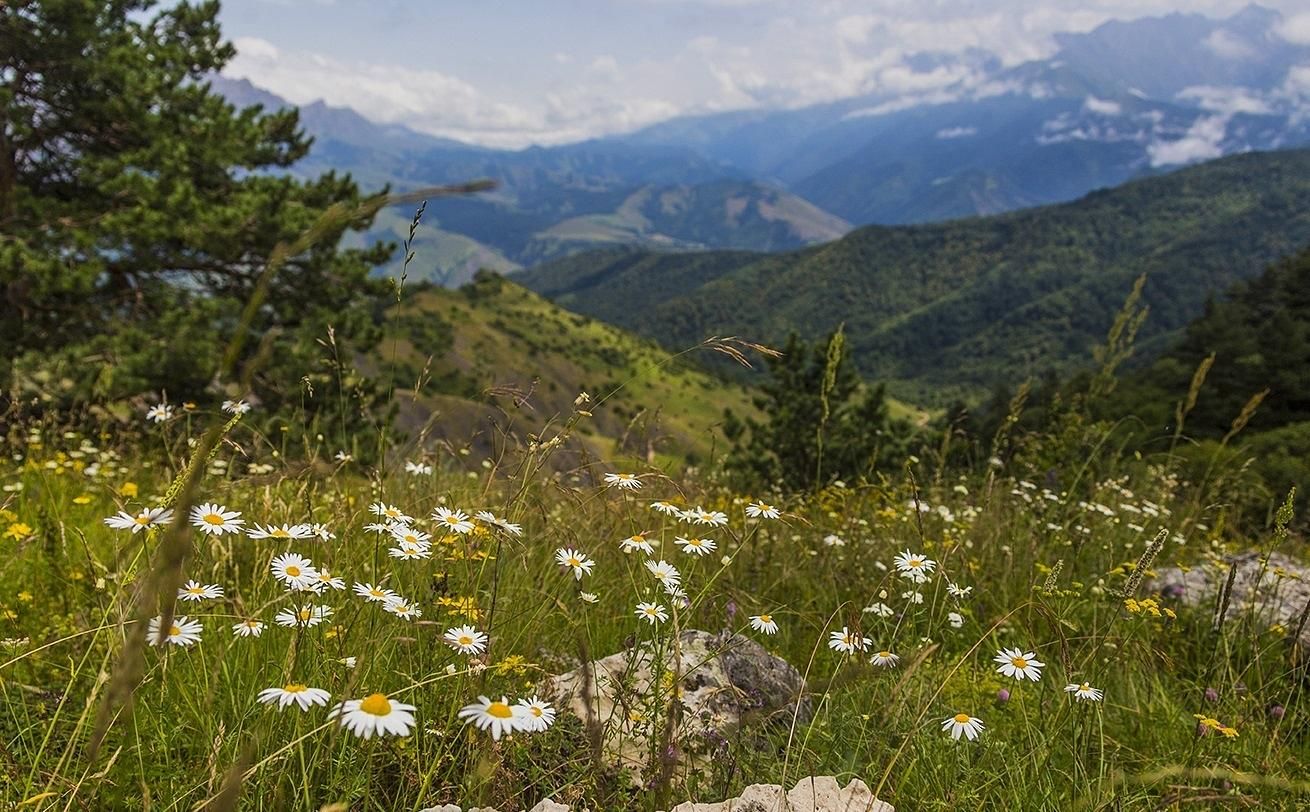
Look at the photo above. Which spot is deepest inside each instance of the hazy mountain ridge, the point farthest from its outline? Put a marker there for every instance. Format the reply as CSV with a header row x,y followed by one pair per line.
x,y
949,309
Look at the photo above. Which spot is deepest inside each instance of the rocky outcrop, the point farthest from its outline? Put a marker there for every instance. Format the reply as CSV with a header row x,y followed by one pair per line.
x,y
814,794
1275,591
726,682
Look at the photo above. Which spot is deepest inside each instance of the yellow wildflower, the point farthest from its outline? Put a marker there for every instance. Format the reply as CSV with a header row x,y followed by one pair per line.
x,y
18,530
128,489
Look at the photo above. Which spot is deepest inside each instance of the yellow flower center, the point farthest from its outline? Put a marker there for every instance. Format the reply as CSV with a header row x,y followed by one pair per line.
x,y
884,654
377,593
500,710
535,711
961,718
393,513
465,640
376,704
766,618
915,563
305,614
1019,663
214,519
293,571
174,631
252,624
1084,687
279,533
142,520
295,688
195,590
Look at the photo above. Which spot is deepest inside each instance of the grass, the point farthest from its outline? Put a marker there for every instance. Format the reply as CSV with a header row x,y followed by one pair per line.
x,y
1045,566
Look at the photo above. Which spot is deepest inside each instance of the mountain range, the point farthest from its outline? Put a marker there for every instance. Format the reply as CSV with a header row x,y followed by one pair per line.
x,y
948,310
1125,100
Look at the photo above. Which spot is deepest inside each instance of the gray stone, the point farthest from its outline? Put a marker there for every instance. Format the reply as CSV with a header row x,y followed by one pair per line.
x,y
1274,592
547,805
813,794
728,683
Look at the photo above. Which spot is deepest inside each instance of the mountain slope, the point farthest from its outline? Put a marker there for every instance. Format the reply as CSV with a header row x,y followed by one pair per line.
x,y
947,310
495,357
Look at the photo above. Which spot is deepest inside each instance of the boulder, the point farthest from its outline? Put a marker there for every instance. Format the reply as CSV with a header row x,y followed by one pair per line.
x,y
814,794
728,683
1276,591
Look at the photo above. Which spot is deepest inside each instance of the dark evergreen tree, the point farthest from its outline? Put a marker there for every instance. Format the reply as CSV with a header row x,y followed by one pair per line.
x,y
138,208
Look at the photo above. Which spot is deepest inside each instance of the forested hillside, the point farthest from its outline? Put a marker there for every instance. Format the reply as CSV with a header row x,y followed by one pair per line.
x,y
946,310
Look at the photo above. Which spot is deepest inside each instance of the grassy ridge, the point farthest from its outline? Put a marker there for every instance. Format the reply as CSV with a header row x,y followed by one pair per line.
x,y
948,310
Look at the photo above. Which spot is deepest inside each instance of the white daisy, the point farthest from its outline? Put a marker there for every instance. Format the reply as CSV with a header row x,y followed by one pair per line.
x,y
322,532
955,619
667,508
761,510
407,534
536,713
159,413
236,406
215,519
1084,692
962,724
196,591
248,628
146,518
389,513
916,565
627,482
637,542
503,524
418,468
497,716
295,571
664,572
281,532
183,632
325,580
652,613
713,518
958,591
410,552
466,640
764,623
589,597
880,609
306,615
402,609
452,521
294,693
695,546
374,593
1015,662
848,642
375,714
574,560
885,659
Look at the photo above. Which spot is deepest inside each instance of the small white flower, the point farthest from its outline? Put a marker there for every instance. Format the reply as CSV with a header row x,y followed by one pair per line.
x,y
306,615
248,628
147,518
372,593
294,694
215,519
712,518
452,521
466,640
184,631
764,623
955,619
627,482
667,508
389,513
536,713
848,642
652,613
502,524
575,561
1084,692
375,714
418,468
284,532
664,572
885,659
403,609
880,609
295,571
195,591
696,546
962,724
760,510
1015,662
236,406
497,716
637,542
159,413
589,597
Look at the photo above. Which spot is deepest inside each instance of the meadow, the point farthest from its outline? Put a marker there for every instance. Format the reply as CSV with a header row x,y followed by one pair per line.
x,y
489,574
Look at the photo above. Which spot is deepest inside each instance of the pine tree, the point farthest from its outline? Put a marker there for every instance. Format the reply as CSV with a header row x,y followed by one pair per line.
x,y
138,207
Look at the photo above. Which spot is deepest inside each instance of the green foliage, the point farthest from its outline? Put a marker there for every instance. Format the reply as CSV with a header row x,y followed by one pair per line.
x,y
139,209
946,311
820,422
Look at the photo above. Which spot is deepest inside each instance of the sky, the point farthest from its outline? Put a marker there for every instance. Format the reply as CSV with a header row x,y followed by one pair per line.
x,y
511,73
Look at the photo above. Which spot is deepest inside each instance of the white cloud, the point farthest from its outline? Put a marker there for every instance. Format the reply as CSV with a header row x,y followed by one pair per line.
x,y
947,133
1229,46
1227,100
1202,142
1102,107
1296,29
